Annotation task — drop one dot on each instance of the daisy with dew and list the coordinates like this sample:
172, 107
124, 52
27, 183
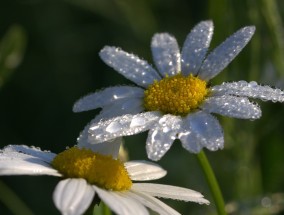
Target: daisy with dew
87, 174
174, 101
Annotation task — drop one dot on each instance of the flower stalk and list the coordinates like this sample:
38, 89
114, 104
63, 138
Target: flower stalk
212, 183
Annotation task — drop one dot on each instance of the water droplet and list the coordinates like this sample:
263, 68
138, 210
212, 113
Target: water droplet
137, 121
252, 84
113, 127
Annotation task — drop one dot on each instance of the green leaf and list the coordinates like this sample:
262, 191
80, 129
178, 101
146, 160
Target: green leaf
12, 47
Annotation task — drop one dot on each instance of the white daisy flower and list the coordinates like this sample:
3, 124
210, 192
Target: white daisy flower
88, 174
174, 101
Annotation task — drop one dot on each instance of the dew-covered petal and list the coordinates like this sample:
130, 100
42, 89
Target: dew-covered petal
33, 151
120, 202
190, 141
152, 203
232, 106
195, 47
144, 170
129, 65
122, 126
170, 192
221, 56
25, 160
110, 147
162, 135
107, 96
201, 130
166, 54
249, 89
121, 107
73, 196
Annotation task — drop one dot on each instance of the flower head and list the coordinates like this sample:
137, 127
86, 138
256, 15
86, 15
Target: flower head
88, 174
174, 101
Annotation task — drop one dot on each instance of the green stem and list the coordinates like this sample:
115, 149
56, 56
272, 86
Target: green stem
101, 209
106, 210
212, 182
270, 11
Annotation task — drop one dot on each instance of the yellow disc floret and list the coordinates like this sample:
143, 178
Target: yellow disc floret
176, 95
101, 170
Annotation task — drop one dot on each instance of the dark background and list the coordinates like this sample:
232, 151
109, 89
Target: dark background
49, 59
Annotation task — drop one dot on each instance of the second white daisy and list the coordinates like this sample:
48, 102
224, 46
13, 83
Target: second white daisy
88, 174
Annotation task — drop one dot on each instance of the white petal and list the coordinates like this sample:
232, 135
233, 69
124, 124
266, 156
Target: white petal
166, 54
195, 47
106, 97
36, 152
162, 135
24, 160
122, 126
120, 202
129, 65
251, 89
190, 141
144, 170
221, 56
201, 130
121, 107
153, 203
170, 192
232, 106
73, 196
110, 147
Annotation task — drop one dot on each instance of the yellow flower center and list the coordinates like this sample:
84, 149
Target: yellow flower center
177, 95
101, 170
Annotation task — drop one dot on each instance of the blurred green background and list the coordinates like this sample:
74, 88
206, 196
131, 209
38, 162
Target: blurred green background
49, 59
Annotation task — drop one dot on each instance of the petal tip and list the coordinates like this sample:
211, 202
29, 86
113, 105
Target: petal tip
107, 50
208, 22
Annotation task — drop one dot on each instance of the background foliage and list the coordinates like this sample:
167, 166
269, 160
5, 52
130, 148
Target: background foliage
49, 59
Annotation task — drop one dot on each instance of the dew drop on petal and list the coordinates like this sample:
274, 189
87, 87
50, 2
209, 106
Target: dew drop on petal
113, 127
137, 121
